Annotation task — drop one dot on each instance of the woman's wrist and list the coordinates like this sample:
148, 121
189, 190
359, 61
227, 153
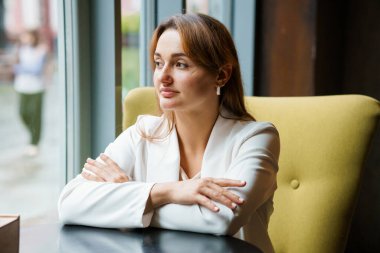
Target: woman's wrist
161, 194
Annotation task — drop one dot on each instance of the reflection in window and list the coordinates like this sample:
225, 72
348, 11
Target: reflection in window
31, 123
219, 9
130, 27
197, 6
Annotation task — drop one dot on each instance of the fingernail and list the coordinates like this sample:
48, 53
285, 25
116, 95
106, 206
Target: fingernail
233, 205
243, 182
216, 209
241, 200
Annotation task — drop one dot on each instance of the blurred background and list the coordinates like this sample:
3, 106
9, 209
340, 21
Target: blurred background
29, 180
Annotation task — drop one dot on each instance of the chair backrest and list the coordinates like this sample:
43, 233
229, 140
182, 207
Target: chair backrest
324, 141
139, 101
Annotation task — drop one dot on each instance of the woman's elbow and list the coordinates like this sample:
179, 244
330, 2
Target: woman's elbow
219, 224
64, 214
225, 228
230, 225
220, 228
67, 212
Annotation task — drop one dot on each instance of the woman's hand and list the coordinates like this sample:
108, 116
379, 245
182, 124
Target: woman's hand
108, 171
198, 191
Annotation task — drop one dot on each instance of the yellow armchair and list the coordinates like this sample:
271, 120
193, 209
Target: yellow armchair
324, 141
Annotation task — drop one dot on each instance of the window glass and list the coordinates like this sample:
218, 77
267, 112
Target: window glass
130, 31
197, 6
31, 120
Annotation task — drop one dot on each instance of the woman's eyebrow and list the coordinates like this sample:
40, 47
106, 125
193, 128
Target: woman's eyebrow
179, 55
172, 55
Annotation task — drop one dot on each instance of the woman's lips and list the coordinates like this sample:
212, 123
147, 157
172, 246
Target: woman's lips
167, 92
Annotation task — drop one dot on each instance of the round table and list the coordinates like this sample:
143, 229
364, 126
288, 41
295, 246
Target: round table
54, 238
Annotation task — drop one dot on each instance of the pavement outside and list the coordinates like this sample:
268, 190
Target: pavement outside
30, 186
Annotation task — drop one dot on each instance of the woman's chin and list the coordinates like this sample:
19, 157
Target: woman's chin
168, 105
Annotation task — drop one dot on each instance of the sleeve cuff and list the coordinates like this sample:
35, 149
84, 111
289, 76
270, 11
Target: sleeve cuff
147, 217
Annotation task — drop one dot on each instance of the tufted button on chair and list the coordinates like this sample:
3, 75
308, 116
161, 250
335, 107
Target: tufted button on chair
324, 141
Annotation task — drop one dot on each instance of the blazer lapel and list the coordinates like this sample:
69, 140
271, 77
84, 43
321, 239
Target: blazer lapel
215, 158
164, 156
163, 159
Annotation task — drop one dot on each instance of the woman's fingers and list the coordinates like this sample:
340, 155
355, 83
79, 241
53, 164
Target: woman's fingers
218, 196
109, 162
96, 169
224, 182
206, 202
224, 196
233, 197
91, 177
109, 170
206, 192
229, 194
118, 175
214, 191
99, 165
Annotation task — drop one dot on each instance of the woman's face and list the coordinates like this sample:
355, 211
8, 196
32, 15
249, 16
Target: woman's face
181, 84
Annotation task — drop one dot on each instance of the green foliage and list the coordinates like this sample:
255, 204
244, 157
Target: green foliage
130, 23
130, 68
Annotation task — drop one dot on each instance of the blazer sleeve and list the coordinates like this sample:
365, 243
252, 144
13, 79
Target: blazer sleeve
105, 204
256, 162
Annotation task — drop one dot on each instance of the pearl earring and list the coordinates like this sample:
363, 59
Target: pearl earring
218, 90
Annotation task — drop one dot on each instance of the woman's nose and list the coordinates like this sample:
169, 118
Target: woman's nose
165, 75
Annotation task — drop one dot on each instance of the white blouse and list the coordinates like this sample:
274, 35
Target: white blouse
183, 175
239, 150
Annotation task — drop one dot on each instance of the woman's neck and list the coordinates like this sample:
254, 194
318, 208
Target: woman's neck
194, 129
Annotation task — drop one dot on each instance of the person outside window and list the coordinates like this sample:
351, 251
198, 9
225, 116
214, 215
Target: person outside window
29, 83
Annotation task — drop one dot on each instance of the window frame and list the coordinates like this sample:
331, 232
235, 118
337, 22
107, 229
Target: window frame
92, 89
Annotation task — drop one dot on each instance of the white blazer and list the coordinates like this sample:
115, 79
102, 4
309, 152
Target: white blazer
236, 149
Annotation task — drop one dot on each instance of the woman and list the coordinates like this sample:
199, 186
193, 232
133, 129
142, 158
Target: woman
30, 85
205, 165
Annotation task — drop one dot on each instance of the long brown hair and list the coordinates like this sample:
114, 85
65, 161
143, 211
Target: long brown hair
208, 43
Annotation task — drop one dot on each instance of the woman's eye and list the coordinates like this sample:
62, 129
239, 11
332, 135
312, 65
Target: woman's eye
158, 64
181, 65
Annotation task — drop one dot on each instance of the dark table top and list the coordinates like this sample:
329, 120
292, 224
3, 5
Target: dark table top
55, 238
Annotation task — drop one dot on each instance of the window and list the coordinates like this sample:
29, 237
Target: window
130, 34
31, 122
197, 6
